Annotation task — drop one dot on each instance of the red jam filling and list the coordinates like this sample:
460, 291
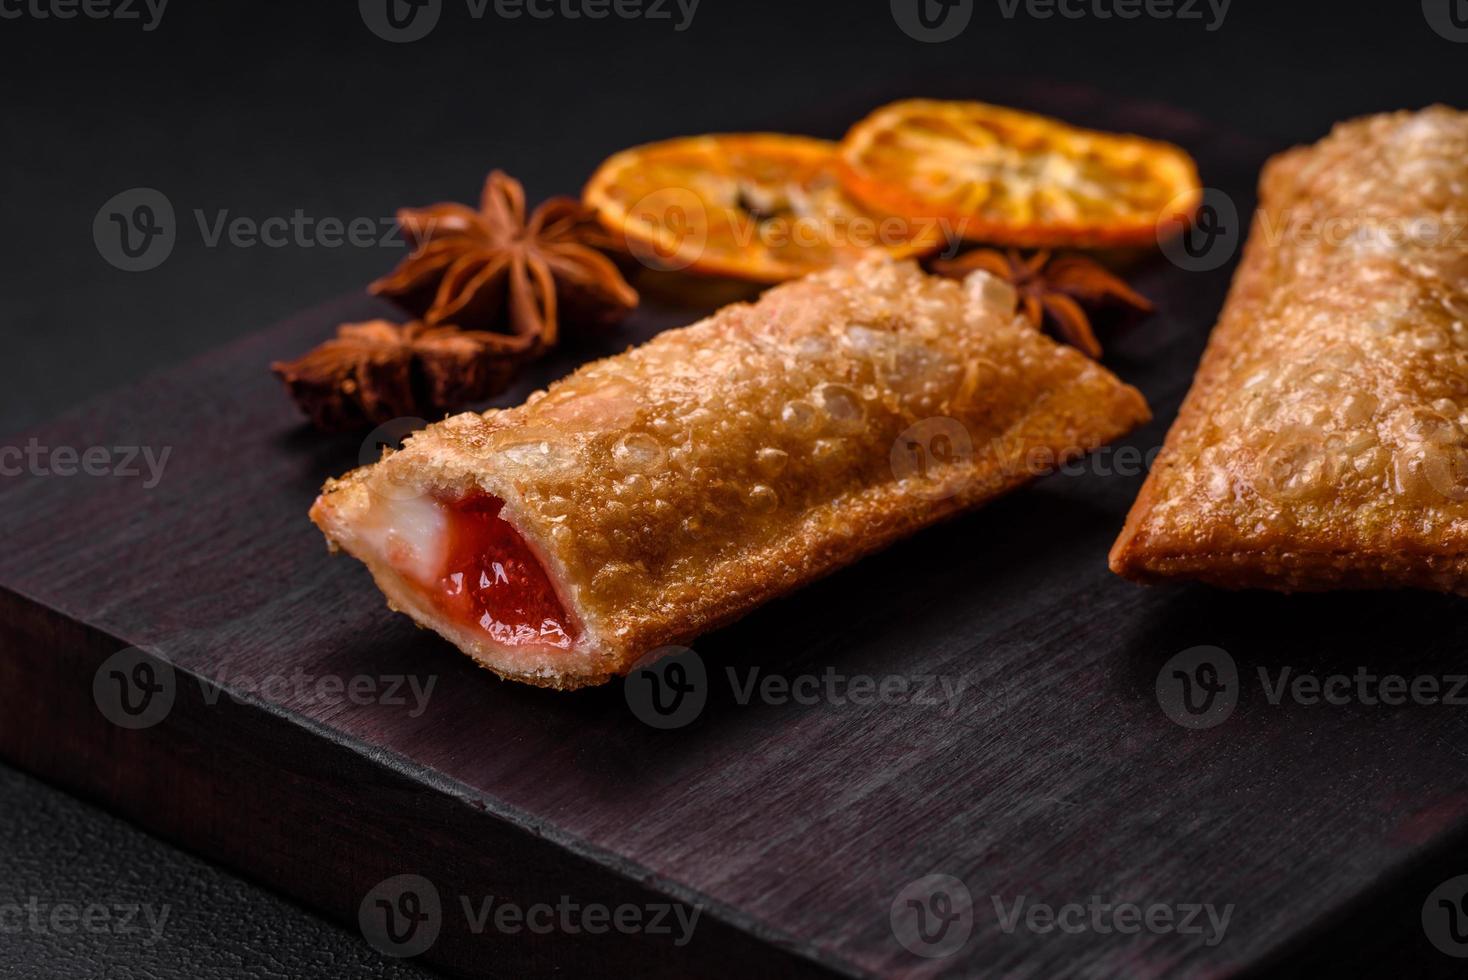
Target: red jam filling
492, 579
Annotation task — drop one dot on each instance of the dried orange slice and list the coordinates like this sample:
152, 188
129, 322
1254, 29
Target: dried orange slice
758, 206
1016, 178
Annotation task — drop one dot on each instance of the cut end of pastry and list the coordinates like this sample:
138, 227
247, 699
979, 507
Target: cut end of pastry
456, 565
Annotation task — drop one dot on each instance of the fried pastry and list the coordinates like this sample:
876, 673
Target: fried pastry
1323, 442
652, 496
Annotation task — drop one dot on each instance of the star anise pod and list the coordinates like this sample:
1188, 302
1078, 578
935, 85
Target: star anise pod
376, 371
495, 269
1055, 288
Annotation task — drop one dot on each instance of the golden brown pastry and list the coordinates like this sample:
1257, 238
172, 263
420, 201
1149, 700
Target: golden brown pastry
655, 495
1323, 442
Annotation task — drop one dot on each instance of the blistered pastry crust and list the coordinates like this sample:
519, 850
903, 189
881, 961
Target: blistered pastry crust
1323, 442
677, 486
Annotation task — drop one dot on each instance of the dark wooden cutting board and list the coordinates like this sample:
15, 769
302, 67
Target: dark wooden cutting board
1054, 776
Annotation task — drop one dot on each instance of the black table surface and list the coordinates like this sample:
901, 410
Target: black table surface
259, 110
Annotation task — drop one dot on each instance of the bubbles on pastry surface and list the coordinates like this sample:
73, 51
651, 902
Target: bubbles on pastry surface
762, 497
771, 462
633, 486
800, 417
638, 452
991, 292
1359, 408
760, 427
931, 458
828, 452
813, 347
1296, 466
538, 458
841, 405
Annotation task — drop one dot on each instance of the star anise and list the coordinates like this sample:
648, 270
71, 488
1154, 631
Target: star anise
376, 371
494, 269
1054, 288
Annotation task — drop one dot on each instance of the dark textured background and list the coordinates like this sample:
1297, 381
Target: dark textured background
260, 109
